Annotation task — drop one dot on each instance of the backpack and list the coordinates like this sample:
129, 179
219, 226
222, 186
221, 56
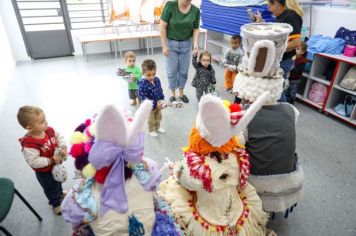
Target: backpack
348, 35
346, 108
317, 93
349, 81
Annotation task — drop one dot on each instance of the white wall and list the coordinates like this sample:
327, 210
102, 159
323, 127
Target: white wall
7, 63
13, 30
327, 20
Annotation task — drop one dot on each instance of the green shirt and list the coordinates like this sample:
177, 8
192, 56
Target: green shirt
180, 26
136, 71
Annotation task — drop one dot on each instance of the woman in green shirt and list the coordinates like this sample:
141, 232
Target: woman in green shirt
179, 30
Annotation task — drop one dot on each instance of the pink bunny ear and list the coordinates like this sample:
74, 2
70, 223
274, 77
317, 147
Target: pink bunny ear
213, 121
111, 126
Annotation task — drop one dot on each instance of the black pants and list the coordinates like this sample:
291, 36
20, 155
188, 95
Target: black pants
52, 189
199, 93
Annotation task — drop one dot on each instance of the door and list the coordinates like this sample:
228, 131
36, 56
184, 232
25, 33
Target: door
45, 27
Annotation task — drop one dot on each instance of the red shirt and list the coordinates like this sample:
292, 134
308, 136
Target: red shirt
46, 146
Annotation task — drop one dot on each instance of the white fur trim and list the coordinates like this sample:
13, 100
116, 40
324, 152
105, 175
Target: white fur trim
281, 203
278, 183
249, 87
279, 192
271, 53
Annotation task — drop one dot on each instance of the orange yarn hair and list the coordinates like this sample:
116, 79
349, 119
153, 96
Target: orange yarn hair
200, 146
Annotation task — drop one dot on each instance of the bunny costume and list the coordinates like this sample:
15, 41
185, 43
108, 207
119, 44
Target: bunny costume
208, 191
121, 201
270, 138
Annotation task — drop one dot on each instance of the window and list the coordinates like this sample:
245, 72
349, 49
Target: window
86, 14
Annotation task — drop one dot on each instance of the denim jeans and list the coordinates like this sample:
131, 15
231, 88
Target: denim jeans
286, 65
292, 91
52, 189
177, 62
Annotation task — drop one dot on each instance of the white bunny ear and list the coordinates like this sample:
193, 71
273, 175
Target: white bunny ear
110, 126
139, 120
261, 58
213, 121
250, 113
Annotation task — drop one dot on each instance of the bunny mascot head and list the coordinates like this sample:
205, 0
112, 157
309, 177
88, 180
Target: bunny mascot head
119, 201
275, 171
208, 191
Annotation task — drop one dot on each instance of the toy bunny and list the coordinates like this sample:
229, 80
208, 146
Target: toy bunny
118, 198
276, 172
208, 191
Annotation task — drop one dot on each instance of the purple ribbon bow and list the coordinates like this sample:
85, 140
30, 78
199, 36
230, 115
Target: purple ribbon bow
104, 153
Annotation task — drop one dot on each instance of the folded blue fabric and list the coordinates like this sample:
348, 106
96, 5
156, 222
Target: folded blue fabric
324, 44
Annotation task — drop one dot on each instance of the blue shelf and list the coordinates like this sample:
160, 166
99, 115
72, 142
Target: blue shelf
228, 20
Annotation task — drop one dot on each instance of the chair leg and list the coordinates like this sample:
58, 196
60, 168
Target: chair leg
7, 233
28, 205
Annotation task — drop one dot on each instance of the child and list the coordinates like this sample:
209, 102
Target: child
232, 59
296, 73
149, 87
204, 74
136, 74
38, 148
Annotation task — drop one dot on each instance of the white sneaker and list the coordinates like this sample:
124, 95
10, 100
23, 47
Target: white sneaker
160, 130
153, 134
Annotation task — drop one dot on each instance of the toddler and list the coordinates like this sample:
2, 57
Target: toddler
232, 59
149, 87
38, 147
130, 59
296, 73
204, 74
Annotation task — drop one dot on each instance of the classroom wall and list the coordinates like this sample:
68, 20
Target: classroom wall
8, 62
12, 28
325, 20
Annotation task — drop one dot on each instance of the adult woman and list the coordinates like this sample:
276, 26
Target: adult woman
287, 11
179, 24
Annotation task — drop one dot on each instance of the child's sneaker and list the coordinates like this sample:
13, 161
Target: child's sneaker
57, 210
153, 134
160, 130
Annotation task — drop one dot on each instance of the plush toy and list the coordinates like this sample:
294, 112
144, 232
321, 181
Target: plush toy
121, 200
276, 172
59, 172
208, 190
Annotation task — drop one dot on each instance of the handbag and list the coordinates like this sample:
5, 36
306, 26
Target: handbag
346, 108
349, 81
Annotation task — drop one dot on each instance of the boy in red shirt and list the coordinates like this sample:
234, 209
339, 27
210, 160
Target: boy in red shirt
38, 148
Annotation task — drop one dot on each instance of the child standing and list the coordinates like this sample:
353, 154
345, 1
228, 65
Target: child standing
232, 59
296, 73
204, 73
38, 147
130, 59
149, 87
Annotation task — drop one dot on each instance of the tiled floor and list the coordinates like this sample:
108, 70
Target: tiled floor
71, 90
